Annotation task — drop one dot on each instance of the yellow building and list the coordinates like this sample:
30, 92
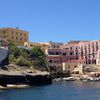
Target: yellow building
14, 35
33, 44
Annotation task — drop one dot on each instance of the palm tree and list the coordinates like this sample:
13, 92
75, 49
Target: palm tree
39, 58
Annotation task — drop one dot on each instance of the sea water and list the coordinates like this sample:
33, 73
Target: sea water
56, 91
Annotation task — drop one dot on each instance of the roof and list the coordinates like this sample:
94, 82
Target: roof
4, 28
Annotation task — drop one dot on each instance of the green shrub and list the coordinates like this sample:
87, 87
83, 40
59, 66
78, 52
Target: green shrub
21, 61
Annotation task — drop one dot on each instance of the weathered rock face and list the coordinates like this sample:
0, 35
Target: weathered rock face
42, 78
38, 79
11, 79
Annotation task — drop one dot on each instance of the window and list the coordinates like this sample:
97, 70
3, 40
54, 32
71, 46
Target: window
96, 45
71, 53
21, 38
4, 32
12, 32
67, 48
54, 46
57, 53
16, 38
75, 66
49, 53
82, 53
57, 61
76, 48
57, 46
93, 47
64, 53
71, 48
1, 41
76, 53
82, 50
21, 34
31, 45
16, 33
12, 37
50, 61
52, 53
68, 67
89, 46
93, 55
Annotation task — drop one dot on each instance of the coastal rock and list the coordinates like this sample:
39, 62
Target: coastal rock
24, 77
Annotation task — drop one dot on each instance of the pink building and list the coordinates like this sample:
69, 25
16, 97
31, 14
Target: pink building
57, 56
80, 52
85, 51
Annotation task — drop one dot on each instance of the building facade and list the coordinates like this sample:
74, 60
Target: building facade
86, 52
54, 45
30, 45
74, 53
14, 35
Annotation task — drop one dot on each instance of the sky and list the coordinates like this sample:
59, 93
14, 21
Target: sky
53, 20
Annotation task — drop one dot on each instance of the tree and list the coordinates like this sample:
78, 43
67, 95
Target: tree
19, 56
39, 58
32, 58
12, 50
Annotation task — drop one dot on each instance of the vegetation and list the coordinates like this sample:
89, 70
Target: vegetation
32, 58
39, 58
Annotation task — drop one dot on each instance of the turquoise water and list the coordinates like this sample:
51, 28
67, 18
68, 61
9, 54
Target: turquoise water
56, 91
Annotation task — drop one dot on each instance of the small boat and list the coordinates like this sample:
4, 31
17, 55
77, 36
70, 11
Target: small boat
17, 86
13, 86
94, 79
90, 79
69, 79
57, 79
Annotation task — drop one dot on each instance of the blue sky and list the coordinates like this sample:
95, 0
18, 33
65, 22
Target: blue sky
53, 20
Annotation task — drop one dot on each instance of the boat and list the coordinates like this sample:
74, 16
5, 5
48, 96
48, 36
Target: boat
57, 79
69, 79
94, 79
14, 86
90, 79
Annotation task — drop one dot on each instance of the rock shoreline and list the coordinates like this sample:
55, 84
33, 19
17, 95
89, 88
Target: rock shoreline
24, 77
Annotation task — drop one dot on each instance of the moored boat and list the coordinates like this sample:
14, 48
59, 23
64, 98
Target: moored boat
57, 79
69, 79
12, 86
